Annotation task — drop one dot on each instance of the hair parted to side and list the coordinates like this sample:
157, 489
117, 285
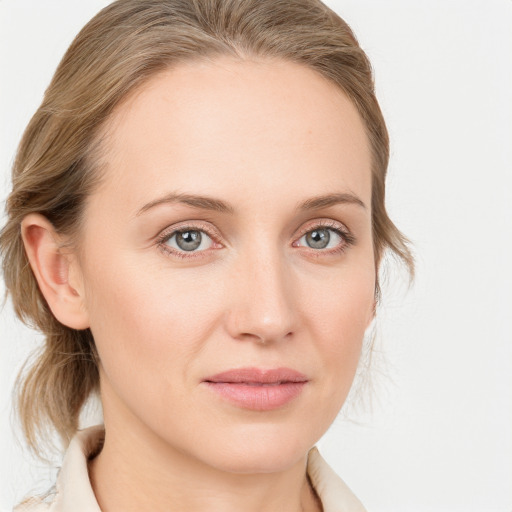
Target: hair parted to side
58, 161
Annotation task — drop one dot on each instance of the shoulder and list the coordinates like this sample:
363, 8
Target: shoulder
73, 491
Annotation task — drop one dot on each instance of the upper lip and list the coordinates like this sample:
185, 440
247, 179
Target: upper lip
258, 376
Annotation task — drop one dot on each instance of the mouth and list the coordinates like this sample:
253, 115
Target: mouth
258, 389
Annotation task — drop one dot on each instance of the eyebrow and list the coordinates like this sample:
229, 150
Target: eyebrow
200, 202
315, 203
217, 205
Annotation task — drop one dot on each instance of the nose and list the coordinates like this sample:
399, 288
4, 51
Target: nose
262, 299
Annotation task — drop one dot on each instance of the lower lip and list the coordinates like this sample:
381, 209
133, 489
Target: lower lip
258, 397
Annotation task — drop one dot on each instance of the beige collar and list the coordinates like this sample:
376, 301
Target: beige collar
74, 492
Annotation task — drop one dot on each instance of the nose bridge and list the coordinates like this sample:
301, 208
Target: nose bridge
262, 302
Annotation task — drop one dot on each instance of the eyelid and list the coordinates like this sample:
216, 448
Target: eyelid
210, 231
327, 223
196, 225
191, 225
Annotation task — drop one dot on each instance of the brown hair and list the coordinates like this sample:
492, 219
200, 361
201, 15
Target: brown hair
57, 163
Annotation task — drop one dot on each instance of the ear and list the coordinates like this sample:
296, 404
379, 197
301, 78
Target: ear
56, 271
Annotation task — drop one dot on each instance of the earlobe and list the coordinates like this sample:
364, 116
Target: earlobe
52, 268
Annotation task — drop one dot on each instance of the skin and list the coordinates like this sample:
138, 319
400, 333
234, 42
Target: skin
262, 136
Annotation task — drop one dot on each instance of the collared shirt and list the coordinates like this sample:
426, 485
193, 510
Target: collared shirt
74, 492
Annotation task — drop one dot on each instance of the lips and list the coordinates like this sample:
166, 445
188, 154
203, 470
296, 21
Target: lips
258, 389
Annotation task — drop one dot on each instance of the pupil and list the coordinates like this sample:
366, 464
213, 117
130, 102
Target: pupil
188, 240
318, 239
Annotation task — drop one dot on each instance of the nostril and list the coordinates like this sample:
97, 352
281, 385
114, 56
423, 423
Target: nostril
264, 339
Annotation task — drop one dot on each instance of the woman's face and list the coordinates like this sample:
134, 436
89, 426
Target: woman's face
232, 233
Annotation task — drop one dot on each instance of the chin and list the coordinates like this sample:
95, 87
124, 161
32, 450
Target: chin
257, 448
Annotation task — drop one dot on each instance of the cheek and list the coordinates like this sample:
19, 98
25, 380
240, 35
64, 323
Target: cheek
155, 325
339, 317
148, 321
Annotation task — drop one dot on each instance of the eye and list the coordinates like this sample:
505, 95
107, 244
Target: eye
321, 238
326, 238
188, 240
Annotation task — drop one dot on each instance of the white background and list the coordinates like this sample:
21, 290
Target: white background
440, 436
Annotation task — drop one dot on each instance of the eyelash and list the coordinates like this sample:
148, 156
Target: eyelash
347, 238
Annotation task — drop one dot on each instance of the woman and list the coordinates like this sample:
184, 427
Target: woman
196, 226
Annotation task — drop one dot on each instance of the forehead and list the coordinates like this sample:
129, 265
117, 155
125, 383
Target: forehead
259, 123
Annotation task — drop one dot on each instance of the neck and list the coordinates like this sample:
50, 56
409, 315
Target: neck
138, 471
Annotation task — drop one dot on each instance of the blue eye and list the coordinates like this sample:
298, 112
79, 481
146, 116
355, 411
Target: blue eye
322, 238
189, 240
193, 241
